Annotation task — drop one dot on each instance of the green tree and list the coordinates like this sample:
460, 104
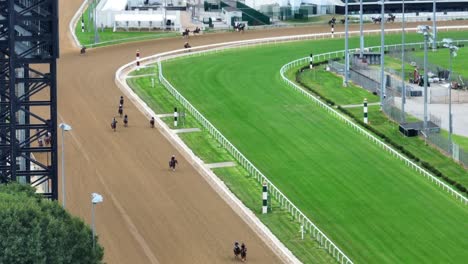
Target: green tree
36, 230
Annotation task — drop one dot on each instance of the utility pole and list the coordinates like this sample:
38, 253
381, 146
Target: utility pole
382, 55
346, 80
403, 75
361, 31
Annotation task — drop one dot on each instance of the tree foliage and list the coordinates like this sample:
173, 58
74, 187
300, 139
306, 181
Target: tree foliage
36, 230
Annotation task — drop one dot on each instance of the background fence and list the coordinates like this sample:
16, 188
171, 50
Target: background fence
369, 79
284, 202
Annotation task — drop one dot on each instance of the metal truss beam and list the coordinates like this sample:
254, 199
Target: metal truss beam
28, 93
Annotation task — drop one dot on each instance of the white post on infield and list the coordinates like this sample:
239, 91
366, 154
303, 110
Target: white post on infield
176, 114
82, 24
365, 111
311, 61
138, 59
333, 30
265, 198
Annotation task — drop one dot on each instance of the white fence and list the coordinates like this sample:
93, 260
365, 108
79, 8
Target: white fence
309, 226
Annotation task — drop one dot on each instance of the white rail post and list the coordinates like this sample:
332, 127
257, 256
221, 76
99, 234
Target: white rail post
176, 114
311, 61
365, 111
265, 198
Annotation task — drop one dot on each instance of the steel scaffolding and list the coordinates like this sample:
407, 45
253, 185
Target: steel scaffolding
28, 93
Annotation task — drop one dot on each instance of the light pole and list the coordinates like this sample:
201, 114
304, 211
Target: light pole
64, 127
95, 199
403, 76
382, 55
346, 47
434, 26
425, 31
448, 43
96, 37
361, 31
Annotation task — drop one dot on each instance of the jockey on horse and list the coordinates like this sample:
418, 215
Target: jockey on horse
126, 121
114, 124
120, 110
243, 252
83, 50
236, 250
152, 122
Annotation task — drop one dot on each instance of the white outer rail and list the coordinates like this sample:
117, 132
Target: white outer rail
297, 214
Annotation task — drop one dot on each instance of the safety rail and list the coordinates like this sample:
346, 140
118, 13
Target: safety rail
244, 162
336, 54
284, 202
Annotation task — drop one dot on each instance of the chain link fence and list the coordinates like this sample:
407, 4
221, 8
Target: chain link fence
370, 79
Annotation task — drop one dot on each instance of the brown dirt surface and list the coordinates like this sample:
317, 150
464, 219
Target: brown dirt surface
149, 214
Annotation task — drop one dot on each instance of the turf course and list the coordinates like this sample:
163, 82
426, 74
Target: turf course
374, 207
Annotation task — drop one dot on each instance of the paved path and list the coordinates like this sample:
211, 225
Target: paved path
221, 164
359, 105
186, 130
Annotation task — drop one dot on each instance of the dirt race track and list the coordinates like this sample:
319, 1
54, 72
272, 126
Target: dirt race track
149, 214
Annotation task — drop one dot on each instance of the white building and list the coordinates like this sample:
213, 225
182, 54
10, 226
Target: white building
113, 13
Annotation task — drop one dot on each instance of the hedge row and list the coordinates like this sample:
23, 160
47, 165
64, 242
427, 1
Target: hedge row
386, 139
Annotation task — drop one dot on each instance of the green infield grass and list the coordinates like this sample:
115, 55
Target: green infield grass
330, 86
371, 204
236, 178
441, 57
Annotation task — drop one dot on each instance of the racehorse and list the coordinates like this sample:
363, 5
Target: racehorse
196, 31
172, 163
83, 50
391, 18
114, 124
243, 252
236, 250
121, 100
152, 122
120, 110
239, 27
186, 33
343, 20
376, 20
332, 21
125, 121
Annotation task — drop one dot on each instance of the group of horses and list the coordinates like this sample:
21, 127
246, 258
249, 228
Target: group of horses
240, 251
333, 21
186, 32
390, 18
125, 117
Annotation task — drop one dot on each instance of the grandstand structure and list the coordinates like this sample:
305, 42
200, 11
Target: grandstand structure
28, 93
